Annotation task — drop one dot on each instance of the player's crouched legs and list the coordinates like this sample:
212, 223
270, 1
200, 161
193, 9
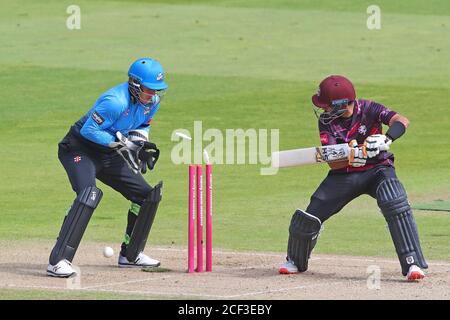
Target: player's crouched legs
140, 221
393, 202
303, 233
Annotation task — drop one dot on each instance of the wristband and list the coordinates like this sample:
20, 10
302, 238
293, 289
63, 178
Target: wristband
396, 130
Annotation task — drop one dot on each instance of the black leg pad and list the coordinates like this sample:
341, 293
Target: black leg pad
303, 232
75, 224
144, 223
394, 205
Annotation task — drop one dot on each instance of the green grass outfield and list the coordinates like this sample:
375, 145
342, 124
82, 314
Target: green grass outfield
231, 64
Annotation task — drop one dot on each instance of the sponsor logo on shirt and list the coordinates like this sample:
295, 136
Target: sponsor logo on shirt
98, 118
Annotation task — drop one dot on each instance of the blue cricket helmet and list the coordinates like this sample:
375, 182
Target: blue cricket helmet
149, 73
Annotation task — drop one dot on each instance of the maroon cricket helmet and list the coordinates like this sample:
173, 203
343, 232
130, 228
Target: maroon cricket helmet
333, 89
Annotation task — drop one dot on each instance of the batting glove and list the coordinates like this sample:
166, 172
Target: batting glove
376, 143
358, 155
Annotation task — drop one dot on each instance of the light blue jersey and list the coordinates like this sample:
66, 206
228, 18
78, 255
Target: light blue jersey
114, 111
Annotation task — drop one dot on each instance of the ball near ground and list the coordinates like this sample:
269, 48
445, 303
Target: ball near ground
108, 252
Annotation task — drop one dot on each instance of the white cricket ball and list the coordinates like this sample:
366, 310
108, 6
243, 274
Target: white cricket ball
108, 252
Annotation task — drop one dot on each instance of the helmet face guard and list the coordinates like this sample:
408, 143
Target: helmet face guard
137, 93
338, 108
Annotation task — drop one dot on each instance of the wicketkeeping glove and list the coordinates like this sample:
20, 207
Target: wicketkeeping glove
357, 156
129, 151
376, 143
138, 154
148, 155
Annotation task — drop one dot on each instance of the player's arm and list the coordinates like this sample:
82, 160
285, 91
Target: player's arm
397, 127
102, 117
380, 142
398, 117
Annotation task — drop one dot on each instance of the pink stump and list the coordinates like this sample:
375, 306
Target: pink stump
208, 217
191, 219
199, 219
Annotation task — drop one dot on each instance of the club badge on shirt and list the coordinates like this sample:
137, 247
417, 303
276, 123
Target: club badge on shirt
362, 129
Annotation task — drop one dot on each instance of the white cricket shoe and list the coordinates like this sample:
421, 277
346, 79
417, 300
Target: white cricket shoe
142, 260
415, 273
288, 268
62, 269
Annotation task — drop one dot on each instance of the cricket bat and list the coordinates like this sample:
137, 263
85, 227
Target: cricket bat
305, 156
